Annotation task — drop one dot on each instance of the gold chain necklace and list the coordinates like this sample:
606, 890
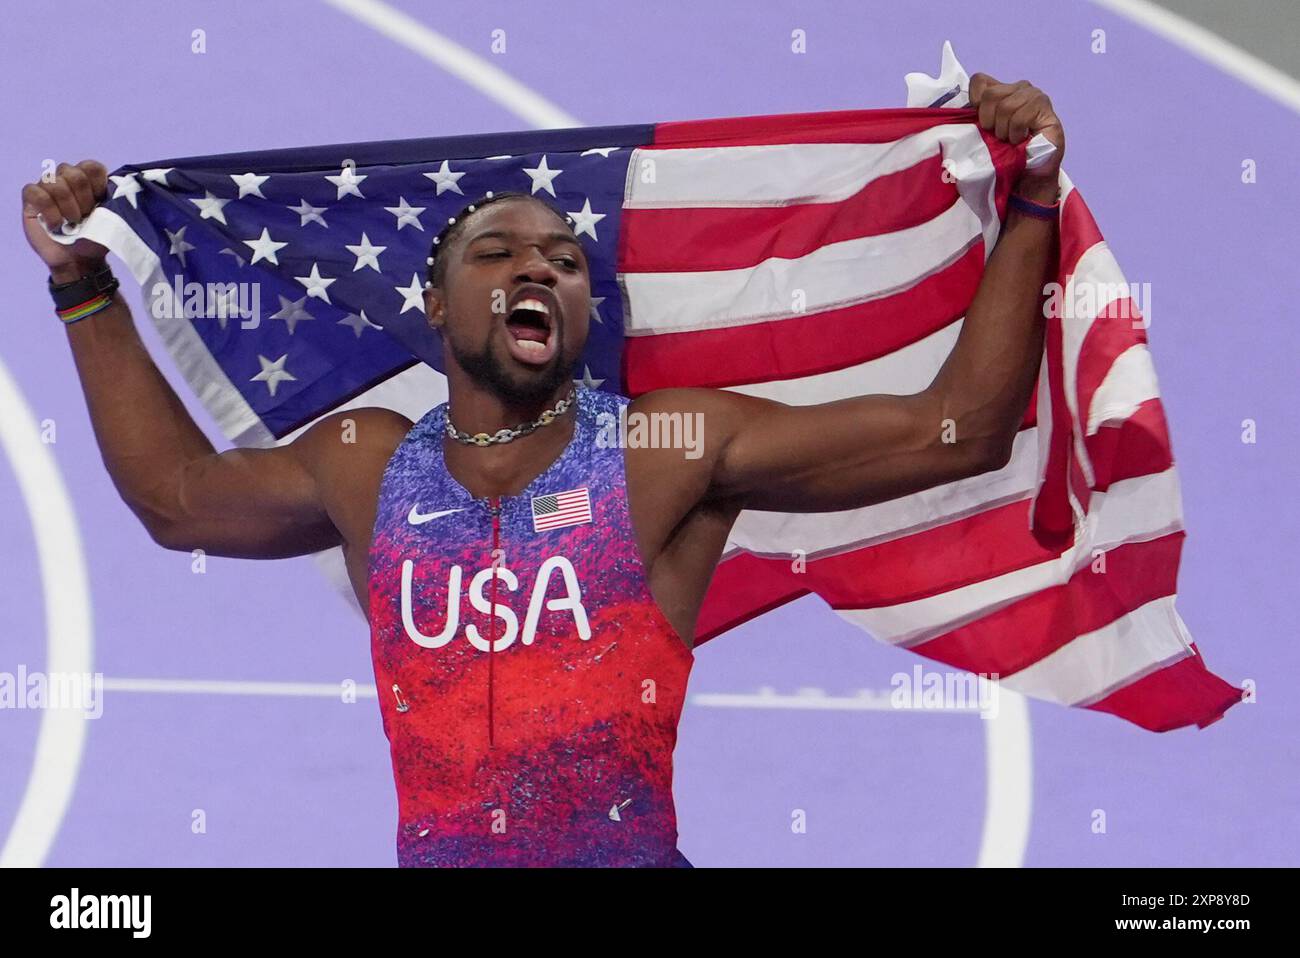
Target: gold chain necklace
508, 435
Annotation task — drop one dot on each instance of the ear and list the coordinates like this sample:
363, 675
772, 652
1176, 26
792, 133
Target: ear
435, 307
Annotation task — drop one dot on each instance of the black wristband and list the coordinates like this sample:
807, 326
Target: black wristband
100, 282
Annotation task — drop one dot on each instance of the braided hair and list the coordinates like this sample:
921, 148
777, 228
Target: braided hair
436, 273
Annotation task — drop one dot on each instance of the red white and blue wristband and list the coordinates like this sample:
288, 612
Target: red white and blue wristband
84, 296
1022, 204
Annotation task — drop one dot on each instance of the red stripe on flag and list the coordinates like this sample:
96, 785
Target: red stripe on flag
1137, 447
1078, 231
1112, 333
1053, 518
1184, 693
803, 345
928, 563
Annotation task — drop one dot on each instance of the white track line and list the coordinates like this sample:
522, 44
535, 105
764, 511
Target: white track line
1009, 783
474, 70
328, 690
866, 700
1231, 59
68, 633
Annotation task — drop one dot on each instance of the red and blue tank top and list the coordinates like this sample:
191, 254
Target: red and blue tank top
541, 733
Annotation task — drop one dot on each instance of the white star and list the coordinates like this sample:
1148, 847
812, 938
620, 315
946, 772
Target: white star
358, 323
227, 306
604, 151
407, 214
264, 248
595, 313
317, 285
179, 246
249, 184
127, 186
412, 296
347, 182
309, 213
584, 220
587, 379
158, 175
542, 175
210, 207
292, 311
446, 179
273, 372
238, 259
366, 254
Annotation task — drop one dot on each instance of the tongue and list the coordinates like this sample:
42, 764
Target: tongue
527, 331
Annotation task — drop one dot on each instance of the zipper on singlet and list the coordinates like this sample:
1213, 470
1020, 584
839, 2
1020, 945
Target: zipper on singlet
495, 509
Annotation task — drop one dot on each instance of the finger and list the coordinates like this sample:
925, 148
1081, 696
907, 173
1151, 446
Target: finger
61, 193
1007, 108
989, 103
98, 174
977, 86
41, 205
1022, 121
79, 183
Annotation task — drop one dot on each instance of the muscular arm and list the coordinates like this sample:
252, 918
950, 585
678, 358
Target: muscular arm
246, 503
868, 449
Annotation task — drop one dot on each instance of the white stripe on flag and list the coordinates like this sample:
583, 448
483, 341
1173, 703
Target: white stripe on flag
782, 174
831, 277
1097, 663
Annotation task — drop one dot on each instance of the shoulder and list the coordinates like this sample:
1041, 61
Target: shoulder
349, 438
715, 413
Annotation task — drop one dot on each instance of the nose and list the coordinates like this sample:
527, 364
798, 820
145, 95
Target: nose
536, 268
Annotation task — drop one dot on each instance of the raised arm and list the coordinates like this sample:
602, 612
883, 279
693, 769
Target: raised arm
247, 503
766, 455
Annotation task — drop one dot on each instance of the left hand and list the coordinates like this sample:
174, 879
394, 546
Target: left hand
1014, 112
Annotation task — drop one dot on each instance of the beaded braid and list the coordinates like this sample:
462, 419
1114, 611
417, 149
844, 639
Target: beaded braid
436, 271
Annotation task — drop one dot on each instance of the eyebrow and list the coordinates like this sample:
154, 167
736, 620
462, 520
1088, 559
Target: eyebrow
554, 237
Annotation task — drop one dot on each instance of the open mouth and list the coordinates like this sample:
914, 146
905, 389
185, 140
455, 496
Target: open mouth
530, 330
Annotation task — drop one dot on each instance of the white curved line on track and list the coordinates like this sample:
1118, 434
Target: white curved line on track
68, 634
1231, 59
472, 69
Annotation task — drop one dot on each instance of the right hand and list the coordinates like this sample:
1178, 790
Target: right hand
70, 197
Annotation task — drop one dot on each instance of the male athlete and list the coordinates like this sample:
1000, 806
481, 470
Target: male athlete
532, 591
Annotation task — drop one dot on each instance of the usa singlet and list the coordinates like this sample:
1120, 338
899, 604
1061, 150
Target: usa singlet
541, 733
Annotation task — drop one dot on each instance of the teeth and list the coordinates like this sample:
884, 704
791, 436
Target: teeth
534, 304
531, 345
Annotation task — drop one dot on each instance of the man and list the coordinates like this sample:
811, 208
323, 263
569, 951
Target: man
532, 587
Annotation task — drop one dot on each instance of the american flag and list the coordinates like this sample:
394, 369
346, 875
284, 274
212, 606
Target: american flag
563, 509
802, 257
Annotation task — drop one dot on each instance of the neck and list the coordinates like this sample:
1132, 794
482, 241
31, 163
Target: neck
502, 469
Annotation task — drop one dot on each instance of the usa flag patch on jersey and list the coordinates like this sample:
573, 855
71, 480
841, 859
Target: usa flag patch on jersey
561, 509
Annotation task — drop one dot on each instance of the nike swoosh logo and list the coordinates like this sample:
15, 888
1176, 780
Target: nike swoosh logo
415, 517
